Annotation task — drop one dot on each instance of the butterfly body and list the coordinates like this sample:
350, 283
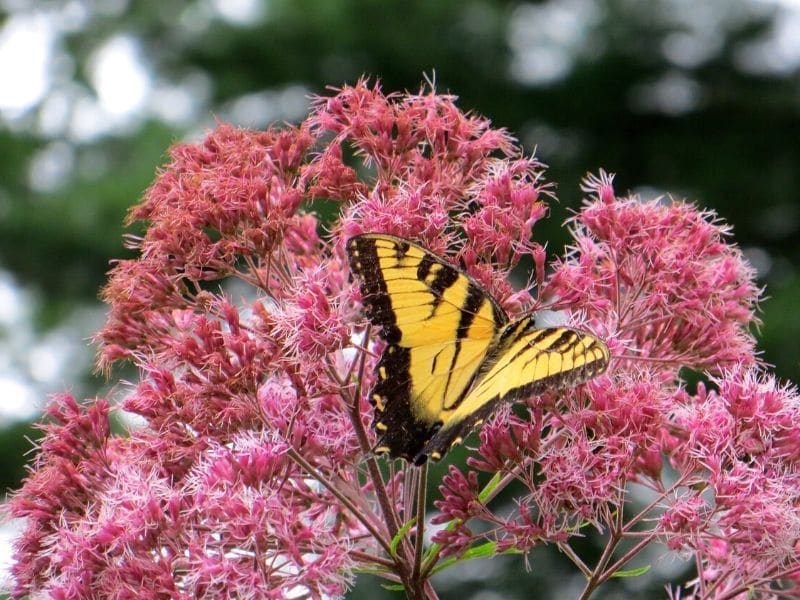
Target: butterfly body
452, 355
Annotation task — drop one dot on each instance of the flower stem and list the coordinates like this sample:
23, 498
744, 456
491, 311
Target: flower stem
422, 493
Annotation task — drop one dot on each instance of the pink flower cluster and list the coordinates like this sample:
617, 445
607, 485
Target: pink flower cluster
249, 471
661, 284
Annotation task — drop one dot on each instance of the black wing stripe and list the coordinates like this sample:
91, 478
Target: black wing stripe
472, 304
365, 262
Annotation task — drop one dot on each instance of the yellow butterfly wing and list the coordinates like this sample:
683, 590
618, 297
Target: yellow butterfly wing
438, 325
524, 362
451, 354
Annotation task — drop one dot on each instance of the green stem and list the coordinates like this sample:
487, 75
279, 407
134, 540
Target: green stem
422, 496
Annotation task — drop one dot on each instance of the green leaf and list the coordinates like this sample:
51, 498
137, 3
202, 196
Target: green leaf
400, 534
632, 572
484, 550
489, 488
394, 587
487, 550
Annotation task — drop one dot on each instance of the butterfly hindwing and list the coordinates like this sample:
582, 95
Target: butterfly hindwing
451, 355
438, 325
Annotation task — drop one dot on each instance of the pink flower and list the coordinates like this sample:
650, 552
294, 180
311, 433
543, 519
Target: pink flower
250, 471
661, 278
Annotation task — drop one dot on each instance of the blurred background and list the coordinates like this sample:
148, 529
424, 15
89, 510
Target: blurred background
699, 99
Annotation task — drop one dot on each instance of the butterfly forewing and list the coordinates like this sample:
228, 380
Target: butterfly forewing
439, 326
528, 360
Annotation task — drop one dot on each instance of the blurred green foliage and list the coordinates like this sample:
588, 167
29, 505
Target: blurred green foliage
705, 129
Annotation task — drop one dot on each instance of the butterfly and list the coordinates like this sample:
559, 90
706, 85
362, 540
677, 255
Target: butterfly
452, 354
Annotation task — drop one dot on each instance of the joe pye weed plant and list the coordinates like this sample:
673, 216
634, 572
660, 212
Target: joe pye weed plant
252, 473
